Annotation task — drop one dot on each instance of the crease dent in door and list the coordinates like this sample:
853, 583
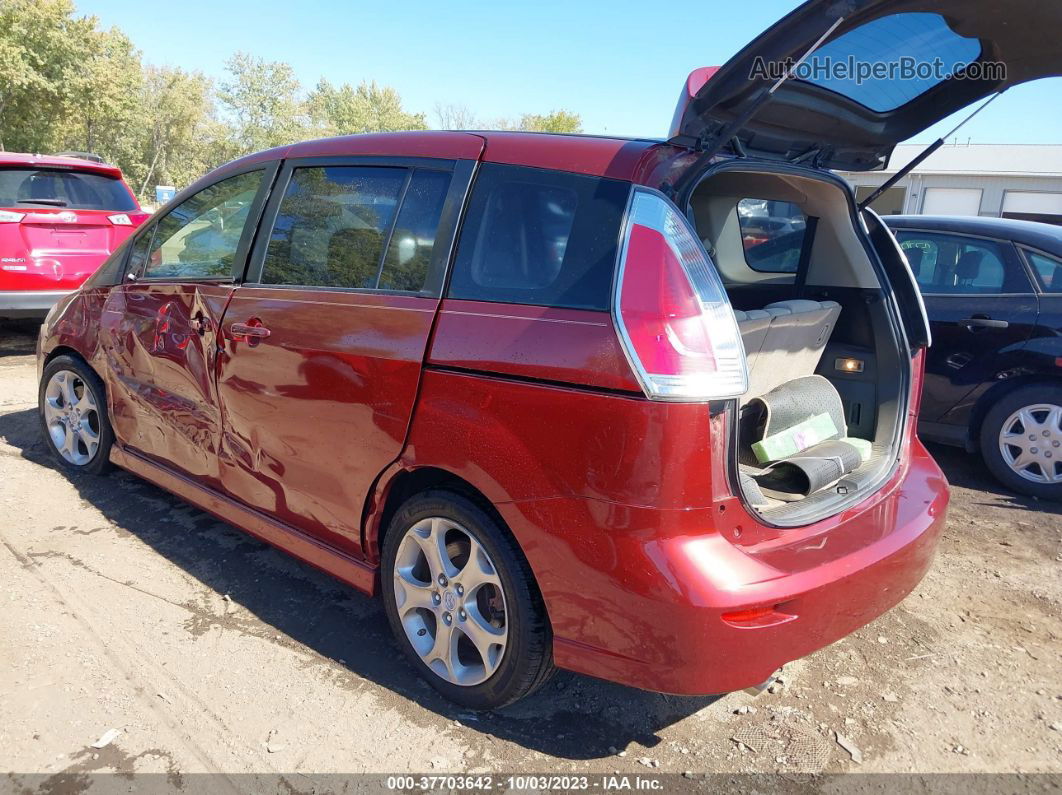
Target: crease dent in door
159, 340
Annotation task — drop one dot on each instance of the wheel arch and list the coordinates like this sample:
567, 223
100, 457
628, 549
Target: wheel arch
66, 350
398, 486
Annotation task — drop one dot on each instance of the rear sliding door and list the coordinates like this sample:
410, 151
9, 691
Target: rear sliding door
322, 346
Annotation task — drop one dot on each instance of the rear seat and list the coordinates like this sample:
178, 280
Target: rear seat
784, 340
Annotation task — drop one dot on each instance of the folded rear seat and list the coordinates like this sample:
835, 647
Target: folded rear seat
784, 341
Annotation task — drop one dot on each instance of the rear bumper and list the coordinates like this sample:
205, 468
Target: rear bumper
29, 303
655, 618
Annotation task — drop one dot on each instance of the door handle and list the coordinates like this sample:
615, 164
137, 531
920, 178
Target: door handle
253, 331
974, 323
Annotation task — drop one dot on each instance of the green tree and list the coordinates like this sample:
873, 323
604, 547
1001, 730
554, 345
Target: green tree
42, 50
101, 98
261, 102
344, 109
177, 137
557, 121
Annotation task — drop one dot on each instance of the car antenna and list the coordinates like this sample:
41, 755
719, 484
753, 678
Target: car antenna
730, 130
903, 172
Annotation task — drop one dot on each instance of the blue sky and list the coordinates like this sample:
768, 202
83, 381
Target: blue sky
619, 64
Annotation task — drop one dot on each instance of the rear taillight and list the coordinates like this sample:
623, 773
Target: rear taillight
671, 310
120, 220
8, 217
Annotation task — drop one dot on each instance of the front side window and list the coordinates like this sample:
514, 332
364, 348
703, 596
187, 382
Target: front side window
947, 264
332, 226
772, 233
199, 238
1048, 268
539, 237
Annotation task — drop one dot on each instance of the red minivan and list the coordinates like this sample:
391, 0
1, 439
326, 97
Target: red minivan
639, 409
61, 216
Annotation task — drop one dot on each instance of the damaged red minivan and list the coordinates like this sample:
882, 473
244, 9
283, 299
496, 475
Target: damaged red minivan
643, 410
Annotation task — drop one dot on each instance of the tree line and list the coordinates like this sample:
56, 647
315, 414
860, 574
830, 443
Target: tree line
68, 85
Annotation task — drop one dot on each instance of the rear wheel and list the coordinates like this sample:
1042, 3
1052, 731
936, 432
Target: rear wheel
73, 413
462, 603
1021, 441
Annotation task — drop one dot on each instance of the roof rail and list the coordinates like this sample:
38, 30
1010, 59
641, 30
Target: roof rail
81, 155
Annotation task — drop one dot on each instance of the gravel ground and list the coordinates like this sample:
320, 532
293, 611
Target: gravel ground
125, 609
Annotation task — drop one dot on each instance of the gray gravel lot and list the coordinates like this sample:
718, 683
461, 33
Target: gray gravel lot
123, 608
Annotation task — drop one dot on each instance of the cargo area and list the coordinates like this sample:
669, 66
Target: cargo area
819, 425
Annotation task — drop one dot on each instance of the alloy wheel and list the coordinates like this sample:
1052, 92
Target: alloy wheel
72, 417
450, 601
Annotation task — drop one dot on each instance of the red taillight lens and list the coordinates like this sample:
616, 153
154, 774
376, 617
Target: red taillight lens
672, 312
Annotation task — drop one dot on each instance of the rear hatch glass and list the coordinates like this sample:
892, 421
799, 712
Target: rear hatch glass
28, 188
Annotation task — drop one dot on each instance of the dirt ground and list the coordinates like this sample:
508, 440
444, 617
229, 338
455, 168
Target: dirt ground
123, 608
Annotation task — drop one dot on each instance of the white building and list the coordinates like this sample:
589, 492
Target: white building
999, 180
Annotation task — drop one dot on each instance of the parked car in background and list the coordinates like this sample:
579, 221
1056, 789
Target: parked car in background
993, 291
61, 216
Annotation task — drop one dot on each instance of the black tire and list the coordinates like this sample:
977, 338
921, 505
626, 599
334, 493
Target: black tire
527, 660
992, 426
99, 462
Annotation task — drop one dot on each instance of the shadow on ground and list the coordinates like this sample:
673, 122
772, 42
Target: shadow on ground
967, 470
573, 716
18, 337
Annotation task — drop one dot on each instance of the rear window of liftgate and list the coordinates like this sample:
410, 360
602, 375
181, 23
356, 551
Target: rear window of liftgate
74, 190
539, 237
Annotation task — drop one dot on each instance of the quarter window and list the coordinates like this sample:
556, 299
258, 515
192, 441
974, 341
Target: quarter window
1049, 269
199, 238
539, 237
332, 226
772, 233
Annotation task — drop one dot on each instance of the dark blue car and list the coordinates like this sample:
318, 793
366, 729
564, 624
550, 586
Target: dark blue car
993, 291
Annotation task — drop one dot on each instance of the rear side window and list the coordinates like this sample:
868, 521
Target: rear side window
331, 227
773, 234
409, 252
539, 237
74, 190
947, 264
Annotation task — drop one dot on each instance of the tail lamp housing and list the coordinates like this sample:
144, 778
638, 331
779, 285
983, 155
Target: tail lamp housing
670, 308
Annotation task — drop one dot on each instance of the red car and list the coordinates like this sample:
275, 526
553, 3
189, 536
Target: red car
60, 217
534, 391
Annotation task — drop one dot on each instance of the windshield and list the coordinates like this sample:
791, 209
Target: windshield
74, 190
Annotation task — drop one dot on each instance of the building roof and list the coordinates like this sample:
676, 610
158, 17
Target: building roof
1031, 160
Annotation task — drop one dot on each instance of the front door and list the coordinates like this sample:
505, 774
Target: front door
981, 308
322, 347
159, 329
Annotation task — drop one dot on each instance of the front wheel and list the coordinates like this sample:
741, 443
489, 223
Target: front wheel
73, 413
1021, 441
462, 602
